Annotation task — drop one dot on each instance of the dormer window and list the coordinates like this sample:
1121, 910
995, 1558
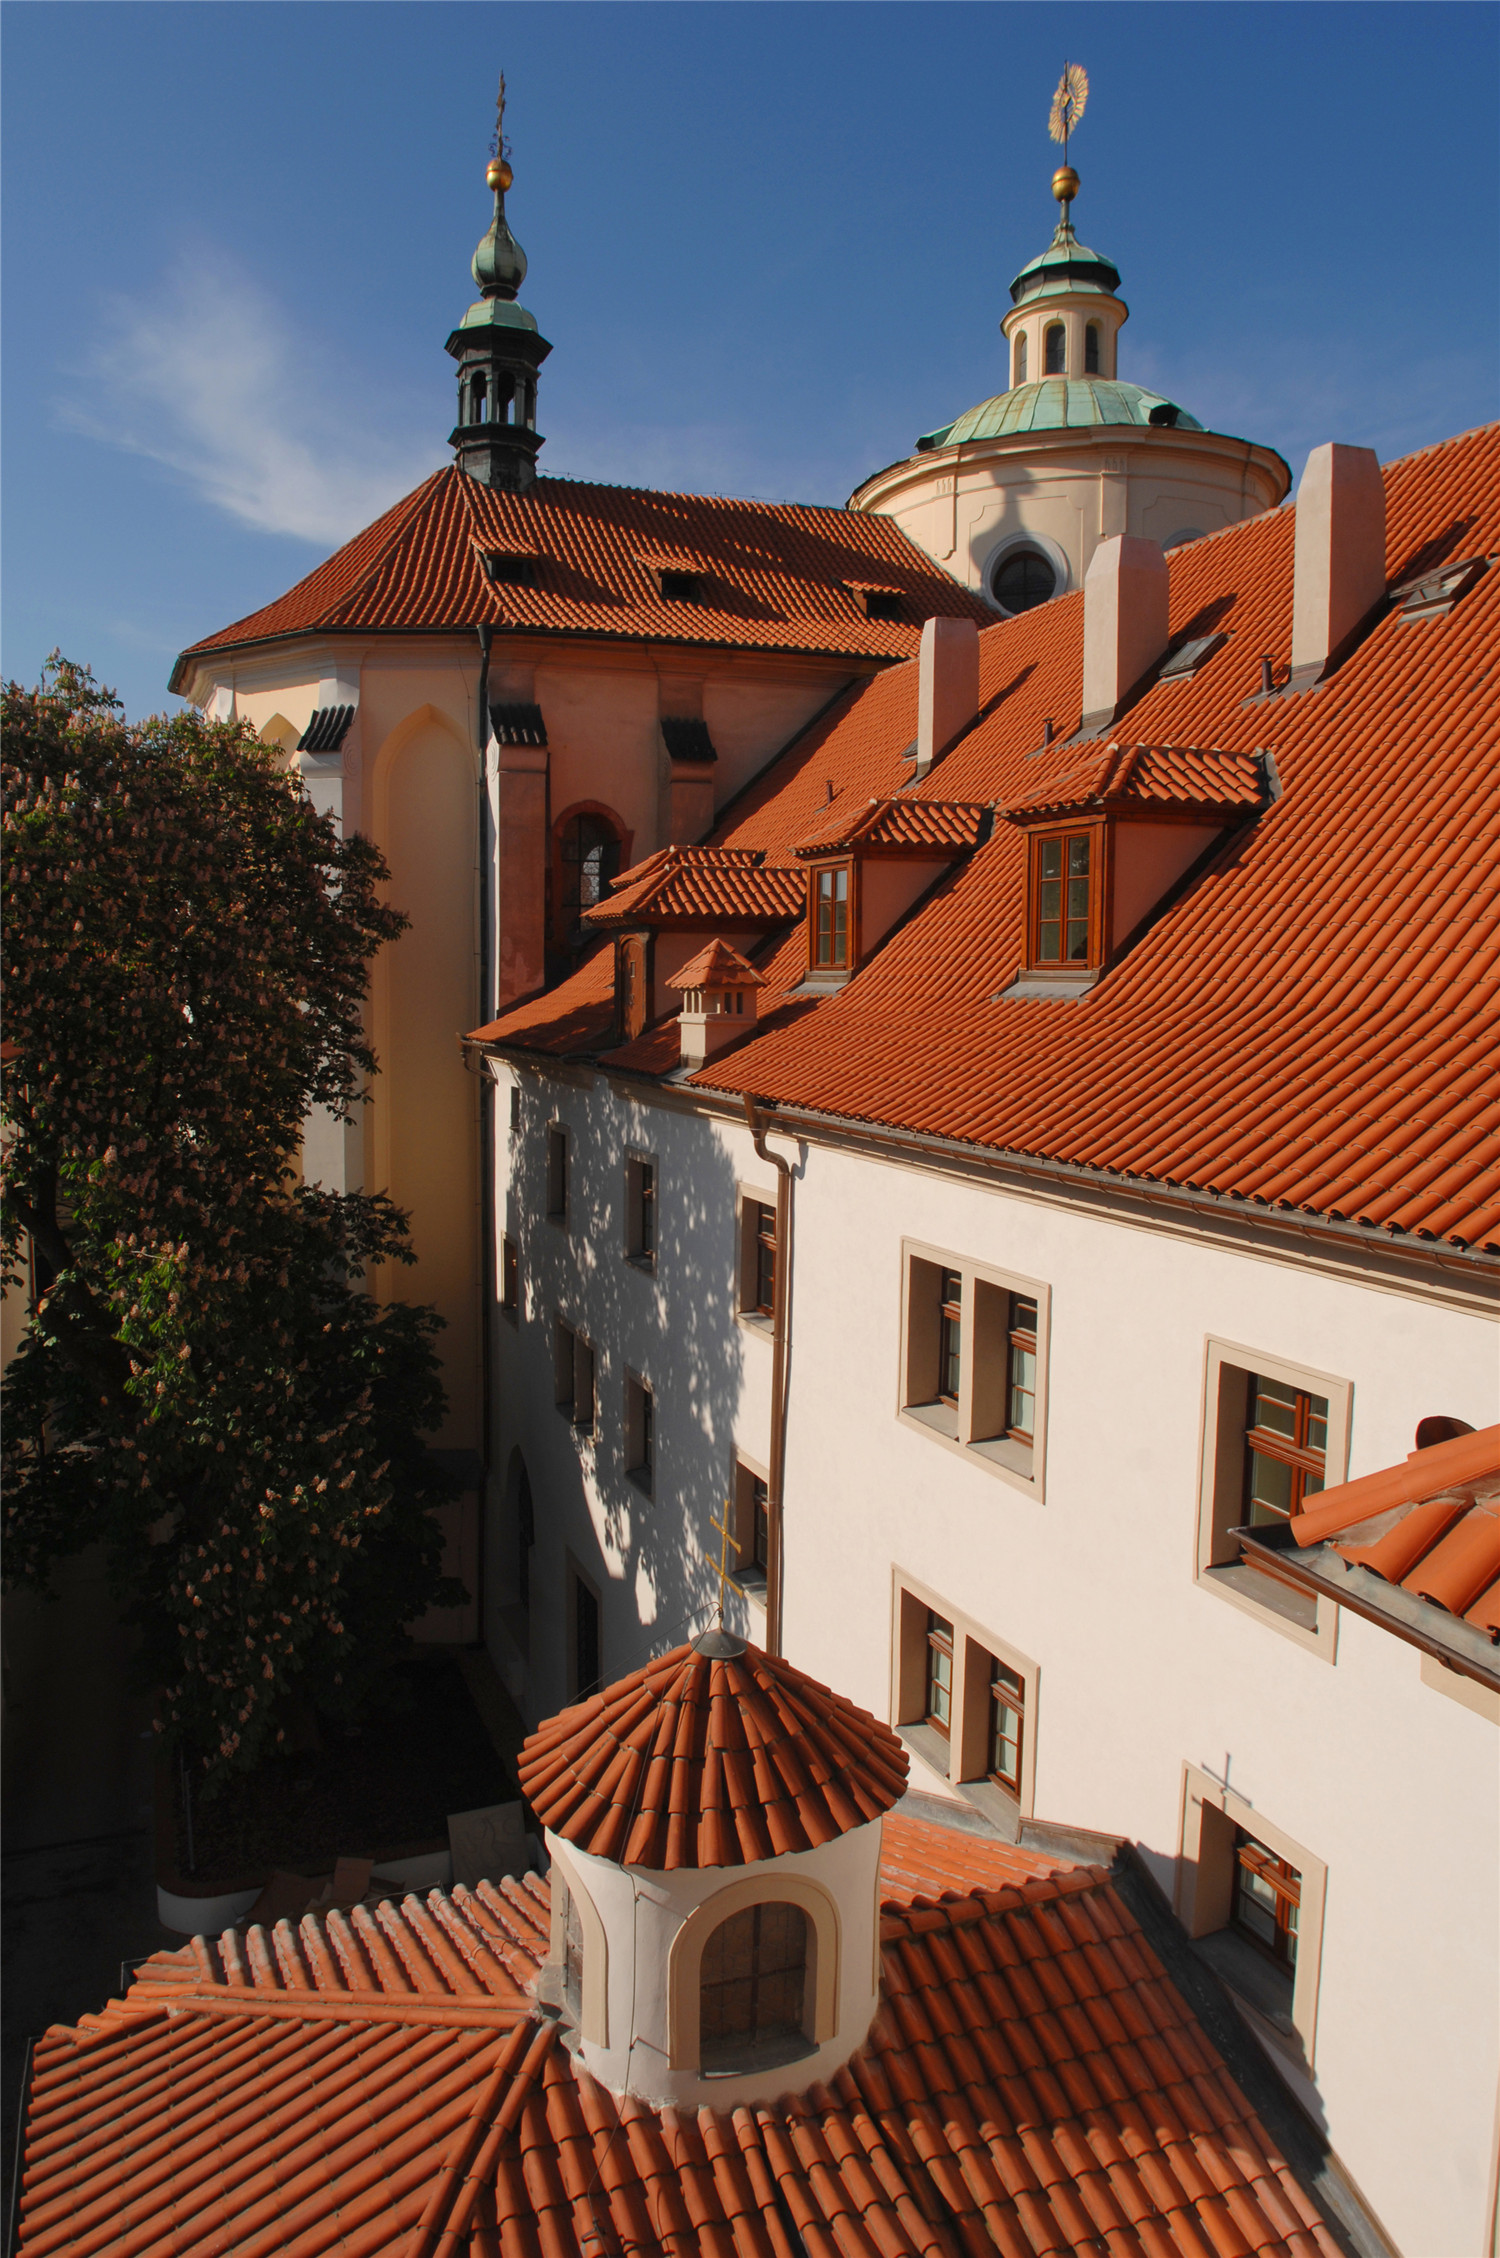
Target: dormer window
1056, 349
830, 918
678, 586
1064, 898
510, 568
1020, 375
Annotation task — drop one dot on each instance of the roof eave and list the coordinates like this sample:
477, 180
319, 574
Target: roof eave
1323, 1571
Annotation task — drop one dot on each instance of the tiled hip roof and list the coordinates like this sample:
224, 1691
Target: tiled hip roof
1183, 778
698, 1760
701, 885
1032, 2085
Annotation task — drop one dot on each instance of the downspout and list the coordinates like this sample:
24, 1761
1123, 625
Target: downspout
781, 1310
486, 1119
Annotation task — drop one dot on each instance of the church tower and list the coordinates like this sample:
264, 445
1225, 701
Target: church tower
498, 349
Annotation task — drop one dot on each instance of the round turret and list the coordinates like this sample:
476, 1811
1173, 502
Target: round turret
713, 1822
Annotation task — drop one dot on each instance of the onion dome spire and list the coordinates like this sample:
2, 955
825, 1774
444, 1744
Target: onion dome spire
498, 349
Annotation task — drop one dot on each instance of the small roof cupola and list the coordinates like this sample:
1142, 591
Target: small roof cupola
714, 1825
1065, 316
499, 350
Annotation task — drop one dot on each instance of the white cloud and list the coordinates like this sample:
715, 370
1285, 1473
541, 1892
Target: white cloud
208, 377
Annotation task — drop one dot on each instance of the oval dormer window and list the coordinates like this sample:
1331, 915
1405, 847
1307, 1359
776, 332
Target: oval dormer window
1091, 349
1023, 579
1056, 349
1020, 376
752, 1995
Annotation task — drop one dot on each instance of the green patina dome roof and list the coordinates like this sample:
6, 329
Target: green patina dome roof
1067, 264
1062, 403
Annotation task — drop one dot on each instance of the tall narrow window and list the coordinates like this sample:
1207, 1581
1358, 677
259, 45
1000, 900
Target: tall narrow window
1020, 376
939, 1711
557, 1174
765, 1259
515, 1108
831, 918
479, 401
640, 1432
1064, 899
1091, 349
1020, 1409
586, 1662
950, 1335
1286, 1447
1267, 1898
1007, 1726
1056, 347
563, 1345
585, 1408
525, 1537
590, 858
640, 1211
510, 1277
752, 1983
760, 1523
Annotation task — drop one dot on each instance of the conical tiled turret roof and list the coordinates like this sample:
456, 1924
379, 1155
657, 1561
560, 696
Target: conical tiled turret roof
715, 1755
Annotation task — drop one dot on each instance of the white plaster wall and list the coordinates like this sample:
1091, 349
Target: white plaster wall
677, 1329
1393, 1784
642, 1912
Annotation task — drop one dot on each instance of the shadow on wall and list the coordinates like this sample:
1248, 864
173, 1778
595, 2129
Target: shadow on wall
575, 1525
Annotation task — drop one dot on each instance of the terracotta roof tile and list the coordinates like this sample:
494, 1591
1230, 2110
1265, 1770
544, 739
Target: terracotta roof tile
694, 885
1310, 1026
646, 1772
897, 826
771, 576
1186, 778
1430, 1525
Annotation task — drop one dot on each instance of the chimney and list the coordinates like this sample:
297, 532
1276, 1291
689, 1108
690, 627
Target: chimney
947, 686
1339, 570
1124, 624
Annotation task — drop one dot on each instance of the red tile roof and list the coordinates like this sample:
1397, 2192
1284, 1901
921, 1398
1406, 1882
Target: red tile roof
705, 1760
1311, 1026
773, 576
717, 966
1189, 779
906, 826
1033, 2085
694, 885
1431, 1525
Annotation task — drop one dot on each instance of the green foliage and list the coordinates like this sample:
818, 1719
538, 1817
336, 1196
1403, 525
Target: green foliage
206, 1387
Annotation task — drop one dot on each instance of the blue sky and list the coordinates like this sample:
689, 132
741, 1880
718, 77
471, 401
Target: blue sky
770, 244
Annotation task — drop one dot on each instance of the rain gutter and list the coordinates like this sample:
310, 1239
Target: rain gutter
484, 832
781, 1307
1322, 1570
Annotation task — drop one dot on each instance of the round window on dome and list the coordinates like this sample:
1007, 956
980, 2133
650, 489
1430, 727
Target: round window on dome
1022, 579
1183, 535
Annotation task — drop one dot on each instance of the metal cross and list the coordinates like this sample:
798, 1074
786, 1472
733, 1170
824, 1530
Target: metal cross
721, 1565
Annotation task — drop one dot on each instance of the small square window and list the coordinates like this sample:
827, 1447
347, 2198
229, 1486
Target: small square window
680, 587
640, 1211
557, 1174
510, 1277
640, 1432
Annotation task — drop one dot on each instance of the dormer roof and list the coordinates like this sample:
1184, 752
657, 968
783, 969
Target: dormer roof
717, 966
715, 1755
897, 827
1145, 780
701, 885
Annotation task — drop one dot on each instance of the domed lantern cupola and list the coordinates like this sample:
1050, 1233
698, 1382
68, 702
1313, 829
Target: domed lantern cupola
499, 350
714, 1825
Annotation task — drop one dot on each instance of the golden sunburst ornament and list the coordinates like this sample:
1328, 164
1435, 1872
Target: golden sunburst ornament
1068, 103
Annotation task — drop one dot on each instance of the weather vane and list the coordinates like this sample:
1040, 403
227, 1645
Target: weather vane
498, 172
1068, 104
720, 1566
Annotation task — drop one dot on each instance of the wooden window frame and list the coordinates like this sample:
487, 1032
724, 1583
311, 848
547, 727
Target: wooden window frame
559, 1177
1301, 1458
979, 1422
1203, 1893
640, 1432
642, 1201
1097, 835
1012, 1695
562, 918
753, 1310
939, 1650
1229, 1367
950, 1337
1284, 1882
961, 1757
750, 1566
849, 866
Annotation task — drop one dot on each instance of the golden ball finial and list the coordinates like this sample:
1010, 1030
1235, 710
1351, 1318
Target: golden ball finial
1065, 184
498, 174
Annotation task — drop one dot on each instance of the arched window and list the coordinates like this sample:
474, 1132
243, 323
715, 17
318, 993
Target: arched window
1020, 377
589, 860
752, 1991
479, 401
1091, 349
1022, 579
1056, 349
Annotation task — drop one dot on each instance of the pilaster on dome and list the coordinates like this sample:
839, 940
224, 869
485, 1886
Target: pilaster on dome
706, 1758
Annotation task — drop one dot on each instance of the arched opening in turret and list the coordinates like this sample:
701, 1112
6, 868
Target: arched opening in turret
1020, 375
1091, 349
753, 1988
1056, 349
479, 400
